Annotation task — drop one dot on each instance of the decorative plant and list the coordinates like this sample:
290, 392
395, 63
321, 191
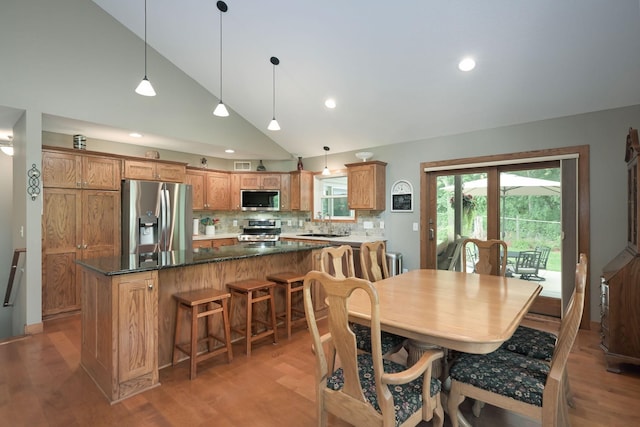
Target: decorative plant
468, 207
209, 221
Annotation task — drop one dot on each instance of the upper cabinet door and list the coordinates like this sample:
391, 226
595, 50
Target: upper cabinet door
100, 173
154, 171
61, 170
366, 185
197, 181
218, 191
260, 181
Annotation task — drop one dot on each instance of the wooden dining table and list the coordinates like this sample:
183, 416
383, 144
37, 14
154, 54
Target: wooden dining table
473, 313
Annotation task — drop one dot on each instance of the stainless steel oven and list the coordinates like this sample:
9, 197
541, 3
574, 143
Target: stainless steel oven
260, 230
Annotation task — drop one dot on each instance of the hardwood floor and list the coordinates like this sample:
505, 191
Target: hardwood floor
42, 384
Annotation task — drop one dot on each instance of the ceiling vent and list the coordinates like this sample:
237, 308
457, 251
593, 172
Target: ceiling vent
241, 166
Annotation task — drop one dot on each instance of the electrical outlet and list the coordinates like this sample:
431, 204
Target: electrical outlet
415, 226
235, 222
289, 223
368, 225
301, 223
381, 225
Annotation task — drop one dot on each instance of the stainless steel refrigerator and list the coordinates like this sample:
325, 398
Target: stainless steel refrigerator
156, 217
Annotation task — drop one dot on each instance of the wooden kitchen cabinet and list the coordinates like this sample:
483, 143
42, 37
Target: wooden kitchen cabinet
620, 280
285, 192
155, 170
214, 243
366, 185
76, 224
211, 190
234, 188
301, 191
66, 169
119, 344
260, 181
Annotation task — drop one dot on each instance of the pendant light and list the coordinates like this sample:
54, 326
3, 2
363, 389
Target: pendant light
145, 88
221, 110
273, 125
325, 171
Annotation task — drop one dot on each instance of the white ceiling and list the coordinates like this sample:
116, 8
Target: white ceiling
392, 66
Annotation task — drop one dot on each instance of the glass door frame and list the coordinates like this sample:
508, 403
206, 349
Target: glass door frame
493, 165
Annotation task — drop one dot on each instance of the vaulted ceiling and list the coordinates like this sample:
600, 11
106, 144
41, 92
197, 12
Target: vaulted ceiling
392, 66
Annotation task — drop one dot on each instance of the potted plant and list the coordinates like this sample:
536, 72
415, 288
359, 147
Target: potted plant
209, 225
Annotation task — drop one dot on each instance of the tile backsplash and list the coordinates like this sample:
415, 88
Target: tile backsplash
294, 222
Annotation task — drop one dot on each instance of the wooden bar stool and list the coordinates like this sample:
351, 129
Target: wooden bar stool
212, 301
255, 291
287, 280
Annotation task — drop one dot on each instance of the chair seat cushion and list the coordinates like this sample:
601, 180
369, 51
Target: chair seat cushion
407, 398
531, 342
389, 342
503, 372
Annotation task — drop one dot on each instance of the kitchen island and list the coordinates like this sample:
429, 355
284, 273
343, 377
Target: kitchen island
129, 314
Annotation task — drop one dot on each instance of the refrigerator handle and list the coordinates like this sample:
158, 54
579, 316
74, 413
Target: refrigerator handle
163, 219
168, 220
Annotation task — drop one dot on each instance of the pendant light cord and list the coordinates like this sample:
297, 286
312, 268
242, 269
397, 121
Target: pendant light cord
221, 56
274, 91
145, 39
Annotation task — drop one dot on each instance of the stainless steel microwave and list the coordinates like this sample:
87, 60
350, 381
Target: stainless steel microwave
260, 200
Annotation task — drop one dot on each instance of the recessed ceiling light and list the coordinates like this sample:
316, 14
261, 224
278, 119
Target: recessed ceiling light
135, 135
229, 151
467, 64
330, 103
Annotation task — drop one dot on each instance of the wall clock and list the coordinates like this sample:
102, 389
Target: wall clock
402, 196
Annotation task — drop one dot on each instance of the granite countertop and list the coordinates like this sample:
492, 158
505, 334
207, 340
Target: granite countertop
136, 263
350, 239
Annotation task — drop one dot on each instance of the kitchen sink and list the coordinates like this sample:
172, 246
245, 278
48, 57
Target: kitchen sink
320, 235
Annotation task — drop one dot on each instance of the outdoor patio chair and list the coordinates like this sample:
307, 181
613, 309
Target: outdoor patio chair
527, 265
544, 257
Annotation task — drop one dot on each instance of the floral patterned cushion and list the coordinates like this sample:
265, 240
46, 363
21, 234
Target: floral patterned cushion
531, 342
407, 398
363, 339
503, 372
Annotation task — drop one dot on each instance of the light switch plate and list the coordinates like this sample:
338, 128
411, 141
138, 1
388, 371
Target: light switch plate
235, 222
415, 226
381, 225
289, 223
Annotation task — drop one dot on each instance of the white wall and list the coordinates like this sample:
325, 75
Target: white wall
6, 244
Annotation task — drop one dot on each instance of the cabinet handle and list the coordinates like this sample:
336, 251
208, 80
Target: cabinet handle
150, 285
79, 246
84, 246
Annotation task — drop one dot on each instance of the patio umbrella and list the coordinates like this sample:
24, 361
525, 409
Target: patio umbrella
512, 185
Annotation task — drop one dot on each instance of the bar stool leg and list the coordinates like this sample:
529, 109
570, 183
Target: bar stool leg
176, 335
248, 320
288, 312
274, 325
194, 342
227, 330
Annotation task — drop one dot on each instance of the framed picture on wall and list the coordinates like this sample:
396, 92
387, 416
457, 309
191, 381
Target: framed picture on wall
402, 196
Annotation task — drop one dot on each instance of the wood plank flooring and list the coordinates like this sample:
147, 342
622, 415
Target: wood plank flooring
43, 384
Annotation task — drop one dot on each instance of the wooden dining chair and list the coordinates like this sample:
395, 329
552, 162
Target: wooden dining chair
491, 256
366, 389
373, 261
338, 262
519, 383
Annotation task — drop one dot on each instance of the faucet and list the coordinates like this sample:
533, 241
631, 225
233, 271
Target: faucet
324, 217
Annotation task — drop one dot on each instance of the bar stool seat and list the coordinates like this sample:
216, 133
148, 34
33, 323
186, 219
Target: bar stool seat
199, 304
255, 291
292, 284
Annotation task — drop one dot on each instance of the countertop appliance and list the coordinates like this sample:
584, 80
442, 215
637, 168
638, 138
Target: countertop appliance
156, 217
260, 230
260, 200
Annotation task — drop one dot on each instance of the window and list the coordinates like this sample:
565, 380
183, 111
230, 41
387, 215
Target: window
330, 198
